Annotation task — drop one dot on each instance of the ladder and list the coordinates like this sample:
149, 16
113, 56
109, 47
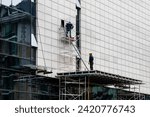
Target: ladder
79, 55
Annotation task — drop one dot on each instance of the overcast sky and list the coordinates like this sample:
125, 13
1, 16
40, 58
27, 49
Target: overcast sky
8, 2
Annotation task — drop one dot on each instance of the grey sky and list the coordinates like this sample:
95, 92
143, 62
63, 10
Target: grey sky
8, 2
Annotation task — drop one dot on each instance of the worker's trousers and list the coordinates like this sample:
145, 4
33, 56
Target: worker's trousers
91, 66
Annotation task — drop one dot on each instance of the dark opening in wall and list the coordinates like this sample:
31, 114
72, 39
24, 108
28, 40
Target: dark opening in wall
62, 23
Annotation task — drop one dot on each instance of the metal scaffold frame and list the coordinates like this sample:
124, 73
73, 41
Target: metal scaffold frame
131, 95
69, 80
35, 85
68, 48
67, 92
27, 85
65, 50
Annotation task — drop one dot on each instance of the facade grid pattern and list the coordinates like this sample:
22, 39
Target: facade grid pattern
117, 33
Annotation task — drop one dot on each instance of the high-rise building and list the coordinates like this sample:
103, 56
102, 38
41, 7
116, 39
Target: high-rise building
46, 40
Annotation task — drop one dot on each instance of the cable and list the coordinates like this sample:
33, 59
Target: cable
41, 45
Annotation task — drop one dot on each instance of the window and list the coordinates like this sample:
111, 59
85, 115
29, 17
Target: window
62, 23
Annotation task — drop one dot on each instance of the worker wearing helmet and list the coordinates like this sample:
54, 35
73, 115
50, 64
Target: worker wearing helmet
91, 59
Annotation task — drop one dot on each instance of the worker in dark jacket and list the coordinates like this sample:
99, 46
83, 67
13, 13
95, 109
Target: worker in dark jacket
91, 59
69, 27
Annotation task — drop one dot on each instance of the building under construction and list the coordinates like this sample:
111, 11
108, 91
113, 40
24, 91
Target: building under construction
45, 46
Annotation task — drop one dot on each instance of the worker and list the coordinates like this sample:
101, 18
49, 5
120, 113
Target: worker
69, 27
91, 59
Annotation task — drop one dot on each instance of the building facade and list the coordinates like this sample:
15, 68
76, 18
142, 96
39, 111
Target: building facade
115, 32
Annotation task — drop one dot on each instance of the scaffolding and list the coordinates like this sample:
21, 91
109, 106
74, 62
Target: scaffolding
131, 95
38, 87
67, 54
72, 89
18, 72
68, 51
25, 84
76, 85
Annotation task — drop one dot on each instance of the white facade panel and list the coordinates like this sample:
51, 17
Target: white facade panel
52, 53
118, 34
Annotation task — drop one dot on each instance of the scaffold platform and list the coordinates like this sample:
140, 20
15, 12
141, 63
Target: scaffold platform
85, 79
100, 77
